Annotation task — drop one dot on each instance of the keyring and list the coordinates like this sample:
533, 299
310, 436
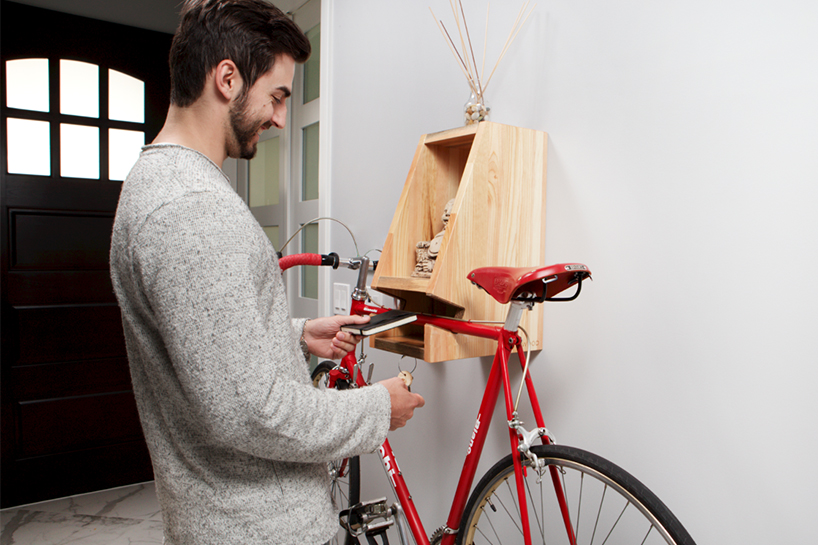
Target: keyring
413, 368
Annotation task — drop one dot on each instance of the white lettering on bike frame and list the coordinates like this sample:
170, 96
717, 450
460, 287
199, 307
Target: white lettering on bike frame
390, 464
474, 434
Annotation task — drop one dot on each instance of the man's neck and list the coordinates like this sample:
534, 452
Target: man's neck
195, 128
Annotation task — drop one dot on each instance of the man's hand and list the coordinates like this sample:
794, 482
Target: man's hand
404, 402
326, 340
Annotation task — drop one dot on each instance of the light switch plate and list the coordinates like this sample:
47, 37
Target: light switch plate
340, 298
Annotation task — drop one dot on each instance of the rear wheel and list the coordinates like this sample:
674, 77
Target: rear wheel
605, 504
345, 473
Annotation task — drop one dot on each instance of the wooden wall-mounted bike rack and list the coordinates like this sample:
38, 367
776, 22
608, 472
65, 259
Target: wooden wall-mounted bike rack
496, 174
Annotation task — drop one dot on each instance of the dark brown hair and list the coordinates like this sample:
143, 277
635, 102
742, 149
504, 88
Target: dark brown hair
251, 33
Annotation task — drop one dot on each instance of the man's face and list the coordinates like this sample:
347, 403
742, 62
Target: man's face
261, 107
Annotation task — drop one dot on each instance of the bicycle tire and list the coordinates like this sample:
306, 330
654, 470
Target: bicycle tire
345, 474
633, 514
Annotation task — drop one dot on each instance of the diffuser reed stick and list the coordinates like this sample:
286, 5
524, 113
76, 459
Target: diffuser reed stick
465, 57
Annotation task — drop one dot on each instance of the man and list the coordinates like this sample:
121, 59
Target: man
239, 438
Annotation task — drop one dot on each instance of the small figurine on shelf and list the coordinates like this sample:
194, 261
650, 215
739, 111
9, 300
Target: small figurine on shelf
426, 250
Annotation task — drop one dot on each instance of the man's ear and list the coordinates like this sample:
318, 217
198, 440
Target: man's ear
227, 80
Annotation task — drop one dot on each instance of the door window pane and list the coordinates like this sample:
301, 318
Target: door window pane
123, 151
79, 88
272, 234
264, 174
126, 97
309, 275
309, 170
29, 147
312, 68
79, 151
27, 84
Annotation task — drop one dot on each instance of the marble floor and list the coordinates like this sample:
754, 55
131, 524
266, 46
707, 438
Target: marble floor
122, 516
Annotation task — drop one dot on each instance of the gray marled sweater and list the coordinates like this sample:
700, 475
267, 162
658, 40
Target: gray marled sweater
239, 438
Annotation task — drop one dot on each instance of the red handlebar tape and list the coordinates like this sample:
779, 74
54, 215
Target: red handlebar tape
299, 259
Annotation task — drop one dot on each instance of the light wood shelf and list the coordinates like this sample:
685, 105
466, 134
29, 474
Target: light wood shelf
496, 174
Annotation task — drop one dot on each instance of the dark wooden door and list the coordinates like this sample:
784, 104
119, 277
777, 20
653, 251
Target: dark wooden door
69, 420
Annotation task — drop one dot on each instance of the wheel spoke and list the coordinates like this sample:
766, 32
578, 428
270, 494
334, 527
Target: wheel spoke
646, 535
616, 522
338, 493
536, 515
493, 530
513, 497
599, 513
566, 493
579, 508
542, 510
511, 517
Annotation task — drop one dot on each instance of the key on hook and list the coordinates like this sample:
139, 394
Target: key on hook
406, 377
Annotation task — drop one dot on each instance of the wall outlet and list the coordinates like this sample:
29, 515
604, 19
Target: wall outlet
340, 298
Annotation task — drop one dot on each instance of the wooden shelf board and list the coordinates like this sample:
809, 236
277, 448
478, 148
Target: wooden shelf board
453, 137
405, 283
406, 346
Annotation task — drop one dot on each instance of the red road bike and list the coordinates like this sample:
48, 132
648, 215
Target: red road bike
541, 492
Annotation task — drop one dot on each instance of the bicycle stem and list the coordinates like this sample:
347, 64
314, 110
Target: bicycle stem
360, 288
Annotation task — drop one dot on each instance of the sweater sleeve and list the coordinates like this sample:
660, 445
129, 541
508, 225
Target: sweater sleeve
215, 293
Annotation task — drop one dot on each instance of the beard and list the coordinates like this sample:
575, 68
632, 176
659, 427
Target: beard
243, 129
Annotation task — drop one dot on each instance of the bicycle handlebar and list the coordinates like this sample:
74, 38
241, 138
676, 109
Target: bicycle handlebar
322, 260
315, 260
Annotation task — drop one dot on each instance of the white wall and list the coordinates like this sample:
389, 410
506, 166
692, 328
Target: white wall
683, 170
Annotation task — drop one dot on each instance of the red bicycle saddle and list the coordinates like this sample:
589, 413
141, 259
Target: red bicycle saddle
528, 283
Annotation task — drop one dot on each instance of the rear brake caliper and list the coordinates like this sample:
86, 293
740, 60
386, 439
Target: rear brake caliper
527, 439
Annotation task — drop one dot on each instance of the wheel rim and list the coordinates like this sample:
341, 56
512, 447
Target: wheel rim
321, 379
601, 510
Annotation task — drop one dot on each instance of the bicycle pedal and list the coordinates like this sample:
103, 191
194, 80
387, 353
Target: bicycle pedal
368, 517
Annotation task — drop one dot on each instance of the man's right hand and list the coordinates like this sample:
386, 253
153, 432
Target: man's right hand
404, 402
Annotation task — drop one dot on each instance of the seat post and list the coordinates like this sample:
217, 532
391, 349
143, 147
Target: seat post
515, 314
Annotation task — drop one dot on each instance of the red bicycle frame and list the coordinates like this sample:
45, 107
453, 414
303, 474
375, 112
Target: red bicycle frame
507, 343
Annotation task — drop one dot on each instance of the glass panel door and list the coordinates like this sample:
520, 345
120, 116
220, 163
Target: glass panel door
264, 191
305, 197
